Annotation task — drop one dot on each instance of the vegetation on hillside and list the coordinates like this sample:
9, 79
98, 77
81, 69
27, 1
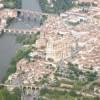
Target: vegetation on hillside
10, 3
6, 95
27, 39
62, 95
58, 5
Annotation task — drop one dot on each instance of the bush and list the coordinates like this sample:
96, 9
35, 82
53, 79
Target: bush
10, 3
59, 6
6, 95
91, 76
26, 39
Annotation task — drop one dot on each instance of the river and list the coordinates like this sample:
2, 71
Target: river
31, 5
8, 45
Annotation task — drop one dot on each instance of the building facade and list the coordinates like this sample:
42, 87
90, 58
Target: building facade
58, 47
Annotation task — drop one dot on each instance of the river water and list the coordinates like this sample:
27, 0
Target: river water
31, 5
8, 45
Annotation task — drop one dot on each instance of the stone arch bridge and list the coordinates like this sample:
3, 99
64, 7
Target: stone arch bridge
21, 31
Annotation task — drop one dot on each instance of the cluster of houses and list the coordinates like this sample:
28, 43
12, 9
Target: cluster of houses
78, 43
5, 14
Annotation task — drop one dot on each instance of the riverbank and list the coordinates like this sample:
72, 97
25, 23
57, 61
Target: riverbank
8, 47
21, 53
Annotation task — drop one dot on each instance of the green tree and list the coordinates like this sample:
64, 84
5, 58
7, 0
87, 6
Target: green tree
6, 95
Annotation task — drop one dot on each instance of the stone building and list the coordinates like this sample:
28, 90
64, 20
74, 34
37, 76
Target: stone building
58, 47
89, 54
55, 39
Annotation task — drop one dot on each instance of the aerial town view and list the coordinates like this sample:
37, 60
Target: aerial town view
49, 49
